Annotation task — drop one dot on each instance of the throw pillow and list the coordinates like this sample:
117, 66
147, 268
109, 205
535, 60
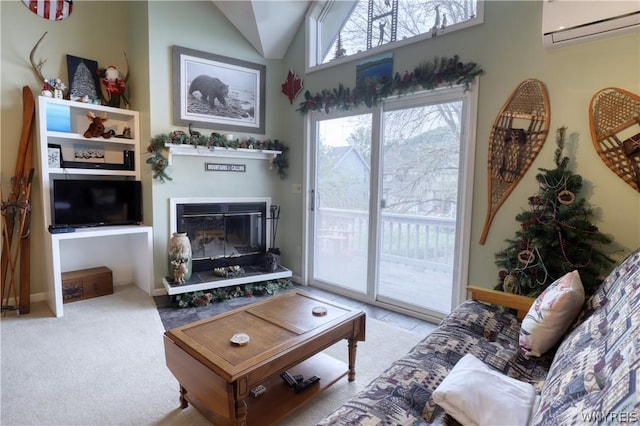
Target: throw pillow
475, 394
551, 314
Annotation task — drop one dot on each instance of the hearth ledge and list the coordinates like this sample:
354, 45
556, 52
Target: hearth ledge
206, 281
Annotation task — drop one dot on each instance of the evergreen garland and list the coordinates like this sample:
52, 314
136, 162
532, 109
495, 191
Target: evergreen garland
428, 75
203, 298
555, 236
159, 162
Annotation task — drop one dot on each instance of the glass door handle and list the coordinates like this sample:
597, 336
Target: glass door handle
312, 205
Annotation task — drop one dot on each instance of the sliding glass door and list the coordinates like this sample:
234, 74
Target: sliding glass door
420, 167
341, 202
390, 207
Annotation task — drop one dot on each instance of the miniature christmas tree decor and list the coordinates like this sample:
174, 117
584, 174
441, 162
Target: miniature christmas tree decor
555, 236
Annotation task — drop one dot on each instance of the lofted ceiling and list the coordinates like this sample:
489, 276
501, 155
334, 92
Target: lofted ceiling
269, 25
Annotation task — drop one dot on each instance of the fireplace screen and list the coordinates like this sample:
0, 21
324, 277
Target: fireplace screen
224, 235
223, 230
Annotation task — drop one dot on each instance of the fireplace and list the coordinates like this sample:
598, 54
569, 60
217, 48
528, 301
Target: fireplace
223, 232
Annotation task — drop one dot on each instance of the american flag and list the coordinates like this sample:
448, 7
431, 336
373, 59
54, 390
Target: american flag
53, 10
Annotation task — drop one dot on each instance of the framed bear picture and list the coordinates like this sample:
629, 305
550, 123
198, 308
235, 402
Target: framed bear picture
217, 92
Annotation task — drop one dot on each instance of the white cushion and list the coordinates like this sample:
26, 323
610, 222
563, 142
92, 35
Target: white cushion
474, 394
549, 317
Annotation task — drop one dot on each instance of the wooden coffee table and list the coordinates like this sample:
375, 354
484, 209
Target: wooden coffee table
216, 376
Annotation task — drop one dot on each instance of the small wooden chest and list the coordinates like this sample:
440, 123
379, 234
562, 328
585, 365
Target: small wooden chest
86, 283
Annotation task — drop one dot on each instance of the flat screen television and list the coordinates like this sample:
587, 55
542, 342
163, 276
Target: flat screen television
90, 202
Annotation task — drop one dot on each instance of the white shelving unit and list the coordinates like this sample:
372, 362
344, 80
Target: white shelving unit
126, 250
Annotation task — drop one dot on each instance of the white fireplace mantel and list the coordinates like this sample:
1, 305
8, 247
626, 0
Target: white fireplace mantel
217, 151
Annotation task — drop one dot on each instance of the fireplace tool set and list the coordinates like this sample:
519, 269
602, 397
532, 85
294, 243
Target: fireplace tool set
272, 256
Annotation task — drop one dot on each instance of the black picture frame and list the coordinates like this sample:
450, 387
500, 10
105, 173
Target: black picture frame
54, 156
83, 79
88, 153
235, 92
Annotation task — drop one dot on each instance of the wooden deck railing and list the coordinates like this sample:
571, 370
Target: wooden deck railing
409, 239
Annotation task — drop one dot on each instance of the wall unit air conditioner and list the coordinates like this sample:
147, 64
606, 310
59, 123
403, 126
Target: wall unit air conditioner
572, 21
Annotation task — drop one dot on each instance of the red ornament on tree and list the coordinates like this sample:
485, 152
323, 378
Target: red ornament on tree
292, 86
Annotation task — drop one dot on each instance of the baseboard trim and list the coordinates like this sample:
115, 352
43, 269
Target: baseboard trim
42, 296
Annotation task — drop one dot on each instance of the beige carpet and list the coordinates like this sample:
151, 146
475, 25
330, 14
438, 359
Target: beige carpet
103, 364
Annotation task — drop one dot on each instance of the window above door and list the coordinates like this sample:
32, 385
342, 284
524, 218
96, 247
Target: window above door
341, 31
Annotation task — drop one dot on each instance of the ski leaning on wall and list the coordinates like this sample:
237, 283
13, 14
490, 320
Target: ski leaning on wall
16, 218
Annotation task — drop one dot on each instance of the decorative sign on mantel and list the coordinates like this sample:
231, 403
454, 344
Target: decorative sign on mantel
218, 167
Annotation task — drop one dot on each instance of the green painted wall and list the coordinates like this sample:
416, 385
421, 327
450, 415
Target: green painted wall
508, 46
199, 25
96, 30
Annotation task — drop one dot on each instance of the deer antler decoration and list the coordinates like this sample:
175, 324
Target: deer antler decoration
126, 77
38, 68
126, 60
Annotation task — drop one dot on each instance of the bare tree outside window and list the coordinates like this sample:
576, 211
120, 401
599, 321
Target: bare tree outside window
421, 151
416, 197
373, 23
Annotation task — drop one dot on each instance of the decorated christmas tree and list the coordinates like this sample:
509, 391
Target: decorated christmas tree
555, 236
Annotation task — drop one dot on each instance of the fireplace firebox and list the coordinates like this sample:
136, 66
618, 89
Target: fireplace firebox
223, 232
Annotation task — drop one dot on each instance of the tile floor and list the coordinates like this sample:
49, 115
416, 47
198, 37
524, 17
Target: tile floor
173, 316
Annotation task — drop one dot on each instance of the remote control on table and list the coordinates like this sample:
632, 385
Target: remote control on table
257, 391
306, 383
288, 379
60, 229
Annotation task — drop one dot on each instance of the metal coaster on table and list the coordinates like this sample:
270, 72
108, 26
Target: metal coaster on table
319, 311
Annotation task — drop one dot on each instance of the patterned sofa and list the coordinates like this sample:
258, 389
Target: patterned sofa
592, 377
